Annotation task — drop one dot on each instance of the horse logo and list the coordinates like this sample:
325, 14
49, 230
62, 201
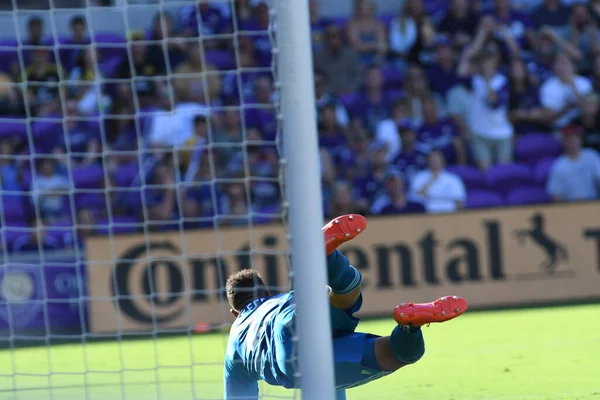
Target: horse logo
555, 251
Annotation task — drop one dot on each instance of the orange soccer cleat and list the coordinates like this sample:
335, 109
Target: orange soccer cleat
342, 229
419, 314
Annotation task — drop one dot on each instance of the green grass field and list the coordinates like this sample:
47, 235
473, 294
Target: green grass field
541, 354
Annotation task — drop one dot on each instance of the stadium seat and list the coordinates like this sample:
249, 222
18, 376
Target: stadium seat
9, 54
534, 147
472, 177
392, 77
542, 170
483, 199
14, 208
505, 177
125, 174
12, 128
88, 177
527, 195
223, 60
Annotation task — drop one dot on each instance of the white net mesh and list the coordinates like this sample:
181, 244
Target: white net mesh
140, 166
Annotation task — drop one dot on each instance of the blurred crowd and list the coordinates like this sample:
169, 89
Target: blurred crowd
442, 106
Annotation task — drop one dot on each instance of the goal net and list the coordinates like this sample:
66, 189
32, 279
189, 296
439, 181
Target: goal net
142, 163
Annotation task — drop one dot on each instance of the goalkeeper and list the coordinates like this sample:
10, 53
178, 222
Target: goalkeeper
260, 343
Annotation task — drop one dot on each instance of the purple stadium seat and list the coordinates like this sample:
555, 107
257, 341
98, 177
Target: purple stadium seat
118, 225
14, 209
223, 60
9, 54
110, 45
527, 195
504, 177
349, 100
533, 147
340, 21
126, 173
483, 199
107, 37
387, 19
542, 170
88, 177
109, 67
12, 232
471, 176
13, 128
46, 134
94, 201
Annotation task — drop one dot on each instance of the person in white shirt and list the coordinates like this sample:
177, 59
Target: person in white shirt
440, 191
576, 174
488, 119
173, 128
564, 92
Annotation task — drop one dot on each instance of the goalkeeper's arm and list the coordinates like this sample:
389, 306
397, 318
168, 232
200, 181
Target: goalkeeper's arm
238, 384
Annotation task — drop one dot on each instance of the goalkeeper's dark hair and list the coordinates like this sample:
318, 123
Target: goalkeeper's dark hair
243, 287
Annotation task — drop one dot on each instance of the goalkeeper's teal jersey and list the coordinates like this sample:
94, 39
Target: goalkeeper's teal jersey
253, 341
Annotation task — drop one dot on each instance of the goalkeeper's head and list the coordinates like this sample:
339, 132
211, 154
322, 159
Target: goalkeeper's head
243, 287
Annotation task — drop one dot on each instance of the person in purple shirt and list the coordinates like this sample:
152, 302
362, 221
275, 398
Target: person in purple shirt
411, 159
354, 159
261, 115
258, 24
460, 23
392, 199
239, 84
331, 134
370, 182
442, 74
75, 44
440, 134
317, 26
373, 102
518, 24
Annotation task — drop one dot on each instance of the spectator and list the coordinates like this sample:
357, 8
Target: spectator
355, 158
194, 81
411, 32
372, 104
317, 26
42, 84
558, 44
36, 240
370, 181
228, 139
261, 115
439, 190
440, 134
81, 142
366, 34
35, 33
417, 88
594, 9
236, 205
160, 195
589, 121
393, 199
174, 126
76, 42
324, 98
86, 83
490, 127
339, 63
331, 134
551, 13
564, 92
11, 102
49, 189
121, 134
459, 23
165, 49
342, 201
442, 74
190, 154
411, 159
526, 113
583, 34
212, 21
259, 25
263, 163
200, 198
515, 23
387, 130
576, 174
247, 74
9, 170
144, 68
